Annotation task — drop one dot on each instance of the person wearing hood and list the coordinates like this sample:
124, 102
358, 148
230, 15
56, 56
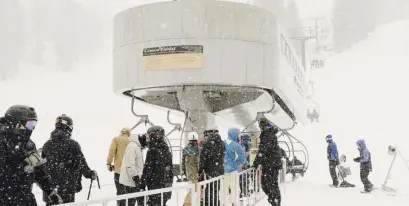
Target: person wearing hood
116, 154
158, 168
132, 167
269, 158
365, 164
211, 165
66, 163
235, 155
332, 156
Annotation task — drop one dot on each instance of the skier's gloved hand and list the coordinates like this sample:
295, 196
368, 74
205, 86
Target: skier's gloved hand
337, 162
137, 180
54, 198
91, 174
110, 167
357, 159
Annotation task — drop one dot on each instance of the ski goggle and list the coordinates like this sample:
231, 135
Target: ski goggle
64, 122
30, 124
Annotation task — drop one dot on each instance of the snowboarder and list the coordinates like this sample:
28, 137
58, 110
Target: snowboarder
332, 156
365, 164
211, 165
269, 158
157, 170
116, 154
190, 163
66, 163
132, 167
20, 163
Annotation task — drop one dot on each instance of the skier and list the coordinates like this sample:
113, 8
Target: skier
66, 163
20, 163
235, 157
157, 170
269, 157
190, 163
365, 164
132, 167
344, 171
211, 165
116, 154
332, 156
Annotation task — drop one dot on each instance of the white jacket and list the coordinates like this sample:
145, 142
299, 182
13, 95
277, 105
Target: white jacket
132, 163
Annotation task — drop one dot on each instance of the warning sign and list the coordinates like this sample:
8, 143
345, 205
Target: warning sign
173, 57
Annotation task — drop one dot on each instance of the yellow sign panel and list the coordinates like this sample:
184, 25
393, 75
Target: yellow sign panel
173, 57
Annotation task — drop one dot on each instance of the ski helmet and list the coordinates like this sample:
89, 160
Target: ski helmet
22, 120
64, 122
193, 136
212, 129
156, 133
263, 123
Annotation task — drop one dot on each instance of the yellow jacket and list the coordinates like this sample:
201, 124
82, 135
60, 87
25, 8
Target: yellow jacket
117, 150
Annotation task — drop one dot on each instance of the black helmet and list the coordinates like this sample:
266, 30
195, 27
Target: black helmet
20, 113
64, 122
156, 133
21, 120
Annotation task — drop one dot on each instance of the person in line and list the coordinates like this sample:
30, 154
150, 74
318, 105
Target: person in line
21, 165
190, 163
132, 168
269, 158
116, 154
66, 163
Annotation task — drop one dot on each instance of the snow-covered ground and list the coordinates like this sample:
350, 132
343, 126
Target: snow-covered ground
362, 94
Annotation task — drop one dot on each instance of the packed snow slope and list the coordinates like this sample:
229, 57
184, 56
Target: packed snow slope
362, 94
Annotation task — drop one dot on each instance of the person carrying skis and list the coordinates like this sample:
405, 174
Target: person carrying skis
211, 165
132, 167
332, 156
66, 163
116, 154
190, 163
157, 170
365, 164
20, 163
269, 158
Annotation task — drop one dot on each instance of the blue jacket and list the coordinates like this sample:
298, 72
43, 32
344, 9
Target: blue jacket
332, 151
235, 154
245, 143
365, 156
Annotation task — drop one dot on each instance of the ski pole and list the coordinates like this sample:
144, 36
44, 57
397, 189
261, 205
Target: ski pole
99, 186
89, 191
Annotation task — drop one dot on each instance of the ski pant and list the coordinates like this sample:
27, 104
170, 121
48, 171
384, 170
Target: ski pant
18, 199
119, 190
155, 200
66, 198
364, 177
269, 184
133, 201
333, 172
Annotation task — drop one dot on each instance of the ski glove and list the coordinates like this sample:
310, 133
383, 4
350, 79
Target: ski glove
91, 174
357, 159
110, 167
137, 180
54, 198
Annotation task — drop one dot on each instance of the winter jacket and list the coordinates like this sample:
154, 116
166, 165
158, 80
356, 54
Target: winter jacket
245, 143
332, 151
15, 183
269, 153
157, 170
235, 154
212, 157
364, 155
190, 162
66, 163
117, 150
132, 163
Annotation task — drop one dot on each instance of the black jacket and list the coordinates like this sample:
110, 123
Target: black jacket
65, 162
212, 157
16, 184
157, 171
269, 153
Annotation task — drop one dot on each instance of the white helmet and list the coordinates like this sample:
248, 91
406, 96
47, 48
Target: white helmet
192, 136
